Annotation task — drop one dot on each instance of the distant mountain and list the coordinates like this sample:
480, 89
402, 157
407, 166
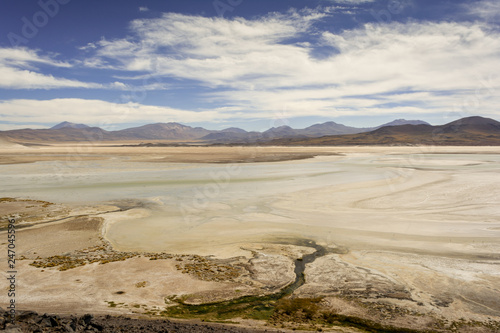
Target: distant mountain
69, 132
472, 125
470, 131
330, 128
53, 135
399, 122
67, 124
466, 131
233, 130
280, 132
162, 131
314, 131
232, 137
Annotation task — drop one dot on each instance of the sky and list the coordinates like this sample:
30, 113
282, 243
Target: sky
253, 64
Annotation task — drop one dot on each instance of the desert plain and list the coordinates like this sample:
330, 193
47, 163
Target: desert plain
347, 239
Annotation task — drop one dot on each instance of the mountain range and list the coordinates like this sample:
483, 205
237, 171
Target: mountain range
67, 131
466, 131
470, 131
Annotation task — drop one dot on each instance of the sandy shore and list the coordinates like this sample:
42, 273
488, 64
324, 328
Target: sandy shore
412, 234
89, 152
86, 151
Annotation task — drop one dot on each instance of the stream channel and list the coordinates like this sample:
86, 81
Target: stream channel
253, 306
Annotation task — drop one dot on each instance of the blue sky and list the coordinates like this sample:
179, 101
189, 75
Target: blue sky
253, 64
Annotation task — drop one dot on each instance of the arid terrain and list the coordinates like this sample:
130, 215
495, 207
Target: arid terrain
340, 239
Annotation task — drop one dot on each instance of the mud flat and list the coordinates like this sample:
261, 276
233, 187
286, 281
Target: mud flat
353, 239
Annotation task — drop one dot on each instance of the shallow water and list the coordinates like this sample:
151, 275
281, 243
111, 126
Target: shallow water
404, 201
97, 181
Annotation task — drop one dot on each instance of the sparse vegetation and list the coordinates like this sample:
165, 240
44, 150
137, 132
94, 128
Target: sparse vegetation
111, 304
208, 269
297, 309
141, 284
102, 254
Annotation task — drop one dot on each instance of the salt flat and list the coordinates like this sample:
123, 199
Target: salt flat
413, 227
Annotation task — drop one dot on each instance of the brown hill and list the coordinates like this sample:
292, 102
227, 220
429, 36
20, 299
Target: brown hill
160, 131
471, 131
53, 135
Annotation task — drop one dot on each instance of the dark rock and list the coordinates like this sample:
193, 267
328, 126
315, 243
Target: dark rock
44, 322
68, 328
29, 316
33, 323
54, 321
10, 328
98, 327
74, 324
87, 319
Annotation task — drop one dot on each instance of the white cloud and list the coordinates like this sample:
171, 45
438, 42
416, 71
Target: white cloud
9, 127
143, 9
12, 78
24, 57
97, 112
18, 71
485, 10
119, 85
89, 46
219, 49
265, 66
262, 71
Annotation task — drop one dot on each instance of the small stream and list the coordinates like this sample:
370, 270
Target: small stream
263, 307
300, 266
260, 305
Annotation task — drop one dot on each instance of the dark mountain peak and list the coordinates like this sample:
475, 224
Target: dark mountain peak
474, 120
473, 124
404, 129
67, 124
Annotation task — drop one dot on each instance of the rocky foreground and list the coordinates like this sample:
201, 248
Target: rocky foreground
29, 321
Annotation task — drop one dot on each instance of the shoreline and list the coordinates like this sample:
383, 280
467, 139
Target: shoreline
72, 153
